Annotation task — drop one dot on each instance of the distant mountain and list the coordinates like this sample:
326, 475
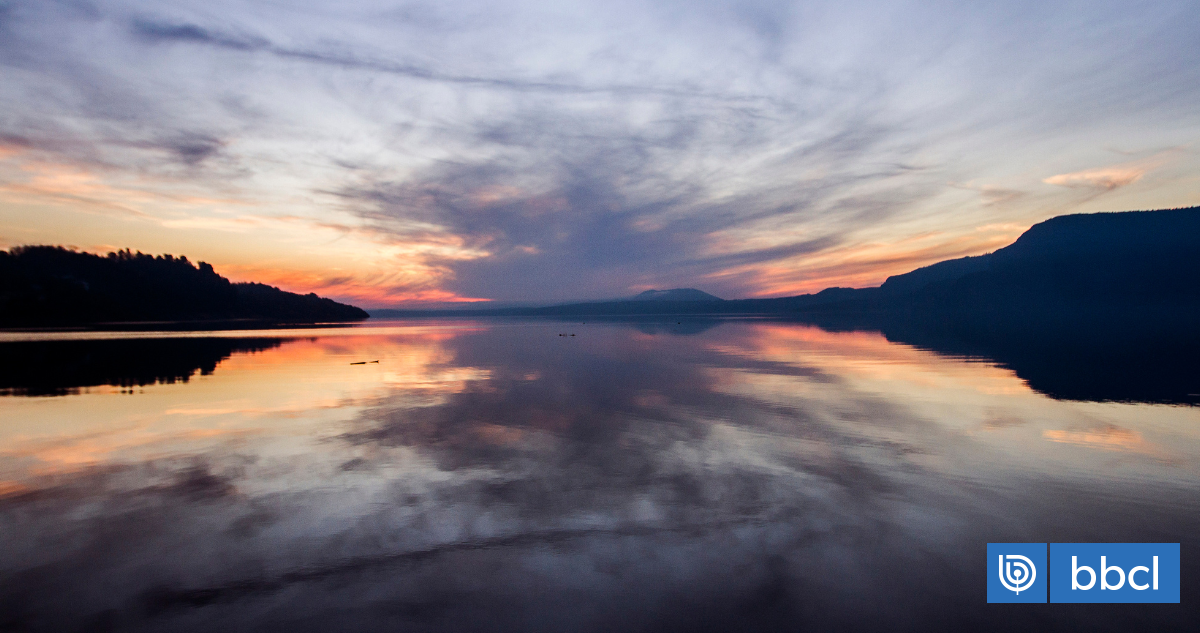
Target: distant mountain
675, 294
1085, 266
50, 286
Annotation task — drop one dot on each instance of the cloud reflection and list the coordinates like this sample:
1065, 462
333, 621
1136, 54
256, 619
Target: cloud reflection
501, 477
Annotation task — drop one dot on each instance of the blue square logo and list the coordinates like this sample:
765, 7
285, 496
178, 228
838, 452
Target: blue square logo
1016, 572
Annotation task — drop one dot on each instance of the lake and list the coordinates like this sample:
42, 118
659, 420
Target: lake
525, 475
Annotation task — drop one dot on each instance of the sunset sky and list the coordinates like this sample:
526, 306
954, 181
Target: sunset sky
392, 153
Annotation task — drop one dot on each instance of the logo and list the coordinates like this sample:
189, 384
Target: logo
1114, 572
1016, 572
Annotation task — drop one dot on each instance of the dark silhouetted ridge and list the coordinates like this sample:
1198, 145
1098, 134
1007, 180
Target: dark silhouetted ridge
675, 294
50, 286
1136, 256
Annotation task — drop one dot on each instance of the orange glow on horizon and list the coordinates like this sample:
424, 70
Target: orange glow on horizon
360, 265
336, 254
870, 264
344, 287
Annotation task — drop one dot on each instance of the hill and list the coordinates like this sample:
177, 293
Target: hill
675, 294
1135, 256
1085, 265
51, 286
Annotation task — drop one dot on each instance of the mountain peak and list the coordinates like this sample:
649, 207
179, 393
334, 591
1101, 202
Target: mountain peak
675, 294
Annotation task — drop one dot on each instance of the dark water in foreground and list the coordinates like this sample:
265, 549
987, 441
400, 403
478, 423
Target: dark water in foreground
494, 475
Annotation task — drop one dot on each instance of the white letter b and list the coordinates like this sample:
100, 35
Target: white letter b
1104, 569
1075, 569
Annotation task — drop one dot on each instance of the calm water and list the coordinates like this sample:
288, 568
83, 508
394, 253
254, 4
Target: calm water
495, 475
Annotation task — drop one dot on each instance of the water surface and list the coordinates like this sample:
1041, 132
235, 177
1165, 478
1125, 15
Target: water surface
548, 476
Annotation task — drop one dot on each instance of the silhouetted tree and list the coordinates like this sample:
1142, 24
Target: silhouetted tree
43, 286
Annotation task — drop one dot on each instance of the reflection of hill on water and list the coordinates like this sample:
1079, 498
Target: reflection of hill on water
1087, 367
1072, 353
55, 368
1104, 356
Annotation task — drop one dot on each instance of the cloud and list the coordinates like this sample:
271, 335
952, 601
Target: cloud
538, 152
1114, 176
162, 32
1106, 437
598, 218
189, 148
157, 32
1107, 178
567, 206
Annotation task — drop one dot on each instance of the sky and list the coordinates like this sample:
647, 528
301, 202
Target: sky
419, 154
